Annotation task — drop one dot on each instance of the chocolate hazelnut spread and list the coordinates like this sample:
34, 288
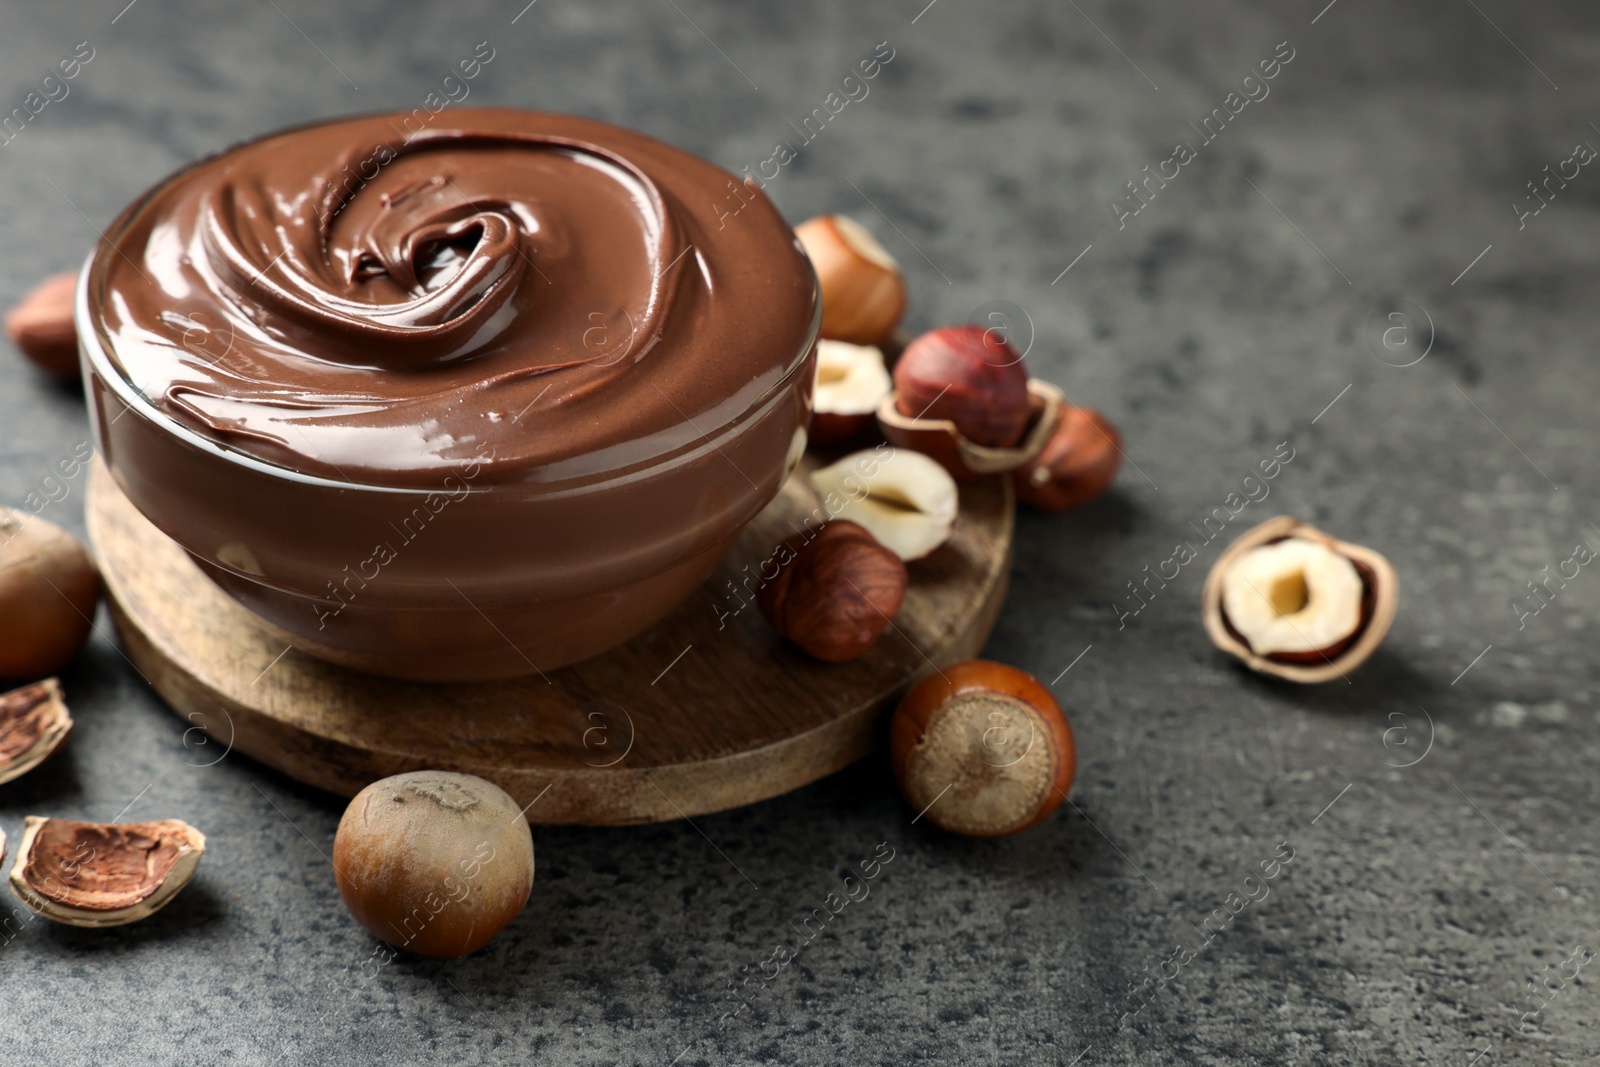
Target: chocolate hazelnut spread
465, 403
356, 303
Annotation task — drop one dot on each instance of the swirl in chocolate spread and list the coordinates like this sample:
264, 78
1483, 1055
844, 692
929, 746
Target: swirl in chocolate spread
550, 290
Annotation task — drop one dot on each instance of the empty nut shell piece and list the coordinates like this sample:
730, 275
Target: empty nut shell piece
982, 749
1076, 465
34, 722
1290, 601
103, 874
834, 593
942, 441
41, 326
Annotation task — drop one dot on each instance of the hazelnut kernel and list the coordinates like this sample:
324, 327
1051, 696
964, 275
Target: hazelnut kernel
836, 593
969, 375
42, 328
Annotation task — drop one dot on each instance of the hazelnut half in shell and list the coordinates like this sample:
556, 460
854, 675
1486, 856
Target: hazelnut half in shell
1288, 600
942, 441
982, 749
103, 874
969, 375
34, 722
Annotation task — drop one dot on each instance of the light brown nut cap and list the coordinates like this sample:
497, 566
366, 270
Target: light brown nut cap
1380, 597
103, 874
982, 749
34, 722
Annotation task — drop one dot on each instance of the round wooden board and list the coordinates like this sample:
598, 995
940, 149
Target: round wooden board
708, 710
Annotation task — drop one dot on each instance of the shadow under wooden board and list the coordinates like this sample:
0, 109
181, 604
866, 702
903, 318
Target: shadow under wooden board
703, 712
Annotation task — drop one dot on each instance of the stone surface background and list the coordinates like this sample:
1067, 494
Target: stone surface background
1224, 318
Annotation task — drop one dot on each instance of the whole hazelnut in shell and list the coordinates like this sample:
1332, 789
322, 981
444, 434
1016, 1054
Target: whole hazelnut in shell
982, 749
863, 294
1077, 463
969, 375
433, 862
48, 590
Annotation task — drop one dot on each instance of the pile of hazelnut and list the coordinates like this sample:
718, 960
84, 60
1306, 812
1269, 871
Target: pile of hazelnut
957, 404
979, 748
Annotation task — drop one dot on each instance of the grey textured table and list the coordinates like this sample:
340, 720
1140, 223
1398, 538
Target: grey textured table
1439, 807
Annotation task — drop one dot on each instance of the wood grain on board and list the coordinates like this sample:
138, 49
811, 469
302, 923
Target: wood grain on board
707, 710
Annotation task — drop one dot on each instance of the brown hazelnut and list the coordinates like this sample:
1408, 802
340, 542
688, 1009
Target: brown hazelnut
433, 862
48, 589
1077, 463
1288, 600
34, 722
41, 326
103, 874
863, 294
835, 594
969, 375
982, 749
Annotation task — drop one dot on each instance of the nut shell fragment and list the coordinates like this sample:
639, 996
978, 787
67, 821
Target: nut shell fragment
1379, 600
103, 874
34, 722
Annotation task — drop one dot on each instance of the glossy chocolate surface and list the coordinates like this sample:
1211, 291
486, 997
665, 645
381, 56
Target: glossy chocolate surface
357, 301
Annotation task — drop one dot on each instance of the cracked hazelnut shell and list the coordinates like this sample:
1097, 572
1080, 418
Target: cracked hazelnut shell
941, 440
837, 593
34, 723
48, 590
982, 749
969, 375
1380, 598
433, 862
103, 874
